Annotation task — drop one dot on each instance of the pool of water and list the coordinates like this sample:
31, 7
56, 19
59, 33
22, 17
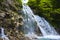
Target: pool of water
47, 39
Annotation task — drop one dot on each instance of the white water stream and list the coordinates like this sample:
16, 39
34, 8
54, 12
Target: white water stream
2, 34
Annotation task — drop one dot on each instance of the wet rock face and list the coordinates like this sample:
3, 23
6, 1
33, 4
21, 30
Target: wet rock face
38, 32
10, 24
10, 20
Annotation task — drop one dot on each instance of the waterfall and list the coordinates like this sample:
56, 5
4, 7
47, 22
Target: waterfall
30, 22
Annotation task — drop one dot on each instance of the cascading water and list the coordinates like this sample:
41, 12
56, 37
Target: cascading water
2, 35
30, 22
45, 26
